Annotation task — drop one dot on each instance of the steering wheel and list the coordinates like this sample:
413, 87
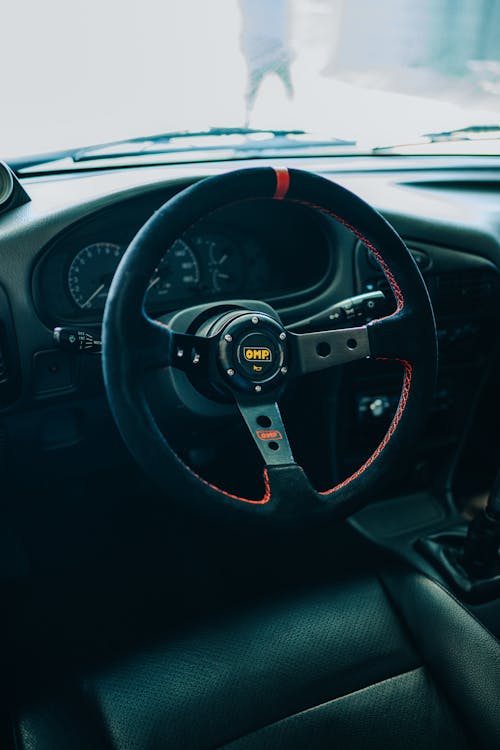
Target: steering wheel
243, 354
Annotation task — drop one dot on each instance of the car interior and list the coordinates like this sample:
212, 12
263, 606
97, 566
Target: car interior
249, 446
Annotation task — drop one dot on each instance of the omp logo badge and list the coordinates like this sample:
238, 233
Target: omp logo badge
269, 435
257, 354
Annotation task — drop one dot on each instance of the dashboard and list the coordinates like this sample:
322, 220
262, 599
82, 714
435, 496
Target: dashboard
235, 253
58, 254
62, 461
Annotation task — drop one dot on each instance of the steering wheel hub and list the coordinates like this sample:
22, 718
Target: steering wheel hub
253, 352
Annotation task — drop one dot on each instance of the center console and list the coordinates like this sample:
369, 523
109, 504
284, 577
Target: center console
420, 515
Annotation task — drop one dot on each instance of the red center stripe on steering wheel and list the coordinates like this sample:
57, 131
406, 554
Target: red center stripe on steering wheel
282, 183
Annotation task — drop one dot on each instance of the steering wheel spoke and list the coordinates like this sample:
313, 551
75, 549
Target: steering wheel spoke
190, 353
264, 421
393, 337
161, 347
311, 352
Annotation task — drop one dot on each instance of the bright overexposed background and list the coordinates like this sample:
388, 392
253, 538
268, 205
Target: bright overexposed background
76, 73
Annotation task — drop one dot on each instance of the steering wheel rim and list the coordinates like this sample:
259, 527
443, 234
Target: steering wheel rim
132, 343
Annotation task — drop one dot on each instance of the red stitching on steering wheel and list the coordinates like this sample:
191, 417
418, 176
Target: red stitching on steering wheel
405, 391
264, 499
408, 367
385, 268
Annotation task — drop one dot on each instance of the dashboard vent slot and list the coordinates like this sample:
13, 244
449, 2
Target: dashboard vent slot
4, 373
464, 291
10, 382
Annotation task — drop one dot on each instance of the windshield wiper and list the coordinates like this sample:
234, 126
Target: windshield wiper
237, 141
479, 132
211, 139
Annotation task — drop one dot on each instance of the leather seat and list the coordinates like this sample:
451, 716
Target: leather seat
378, 661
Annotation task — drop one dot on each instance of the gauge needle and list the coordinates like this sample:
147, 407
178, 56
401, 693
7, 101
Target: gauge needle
94, 294
153, 282
222, 260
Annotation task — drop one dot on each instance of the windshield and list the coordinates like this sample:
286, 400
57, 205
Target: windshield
377, 73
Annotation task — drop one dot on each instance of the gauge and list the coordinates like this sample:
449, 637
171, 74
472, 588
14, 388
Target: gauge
91, 272
6, 183
225, 262
177, 275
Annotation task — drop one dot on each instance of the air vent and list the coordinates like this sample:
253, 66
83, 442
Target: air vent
465, 291
4, 372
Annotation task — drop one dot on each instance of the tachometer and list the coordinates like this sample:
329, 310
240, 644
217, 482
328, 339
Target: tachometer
177, 276
91, 272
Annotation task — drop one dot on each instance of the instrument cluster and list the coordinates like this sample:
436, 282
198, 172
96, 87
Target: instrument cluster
195, 265
246, 256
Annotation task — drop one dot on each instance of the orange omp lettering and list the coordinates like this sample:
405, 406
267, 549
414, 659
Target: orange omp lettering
257, 354
269, 435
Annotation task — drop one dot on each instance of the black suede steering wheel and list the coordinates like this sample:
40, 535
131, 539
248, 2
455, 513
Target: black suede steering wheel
247, 356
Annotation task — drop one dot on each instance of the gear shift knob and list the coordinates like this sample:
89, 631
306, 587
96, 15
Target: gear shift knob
480, 555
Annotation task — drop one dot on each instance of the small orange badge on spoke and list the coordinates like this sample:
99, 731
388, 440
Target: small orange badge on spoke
269, 435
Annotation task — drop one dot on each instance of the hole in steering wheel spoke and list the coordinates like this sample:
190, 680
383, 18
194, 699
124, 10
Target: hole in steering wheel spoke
323, 349
264, 421
273, 446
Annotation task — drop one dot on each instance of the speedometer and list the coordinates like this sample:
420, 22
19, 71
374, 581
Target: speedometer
91, 272
93, 267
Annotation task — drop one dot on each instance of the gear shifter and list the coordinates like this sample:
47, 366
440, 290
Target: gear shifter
480, 554
469, 557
